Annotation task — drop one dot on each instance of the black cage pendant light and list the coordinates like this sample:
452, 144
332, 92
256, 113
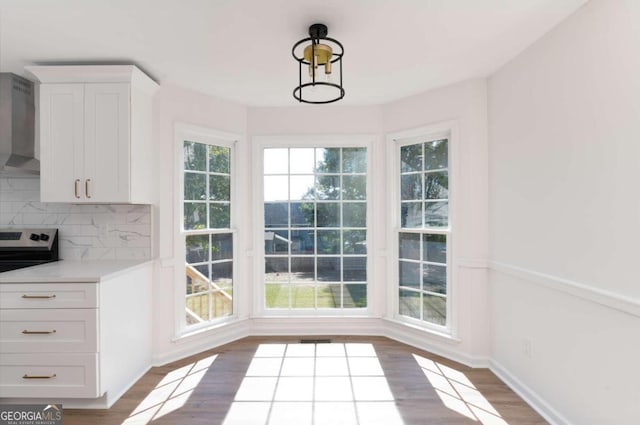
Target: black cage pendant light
318, 64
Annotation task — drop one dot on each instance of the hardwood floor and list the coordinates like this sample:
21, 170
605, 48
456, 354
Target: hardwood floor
278, 380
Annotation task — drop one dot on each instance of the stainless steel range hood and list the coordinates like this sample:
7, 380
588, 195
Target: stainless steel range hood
17, 127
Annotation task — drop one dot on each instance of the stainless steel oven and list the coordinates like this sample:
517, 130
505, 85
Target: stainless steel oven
25, 247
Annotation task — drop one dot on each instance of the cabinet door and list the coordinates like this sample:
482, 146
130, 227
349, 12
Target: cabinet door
61, 142
107, 152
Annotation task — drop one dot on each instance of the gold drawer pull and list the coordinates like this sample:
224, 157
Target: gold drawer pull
28, 332
39, 297
38, 376
76, 189
86, 188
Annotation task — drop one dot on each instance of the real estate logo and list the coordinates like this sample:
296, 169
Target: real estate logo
30, 414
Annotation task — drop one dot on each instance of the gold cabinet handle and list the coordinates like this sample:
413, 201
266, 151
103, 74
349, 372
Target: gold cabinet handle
28, 332
77, 188
38, 376
38, 297
86, 188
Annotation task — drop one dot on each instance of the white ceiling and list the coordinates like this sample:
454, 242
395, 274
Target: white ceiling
241, 49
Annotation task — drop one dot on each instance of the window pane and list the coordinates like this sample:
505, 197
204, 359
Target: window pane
222, 276
354, 187
308, 229
354, 269
436, 214
354, 160
209, 257
328, 296
195, 216
328, 187
197, 307
222, 247
329, 269
409, 246
302, 214
435, 309
221, 303
197, 248
277, 296
354, 241
276, 161
328, 214
219, 188
276, 242
195, 156
276, 188
303, 296
422, 257
434, 248
195, 186
219, 158
411, 158
411, 187
276, 215
303, 242
409, 303
354, 296
410, 274
328, 160
354, 214
411, 215
436, 185
301, 161
328, 242
436, 155
434, 278
276, 269
302, 269
302, 187
220, 216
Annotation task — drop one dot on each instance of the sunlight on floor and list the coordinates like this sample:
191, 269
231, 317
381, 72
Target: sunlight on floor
318, 384
315, 384
458, 393
171, 393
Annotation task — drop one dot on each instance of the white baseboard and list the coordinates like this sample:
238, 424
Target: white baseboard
539, 404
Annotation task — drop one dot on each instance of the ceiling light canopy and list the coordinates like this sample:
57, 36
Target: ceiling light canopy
319, 67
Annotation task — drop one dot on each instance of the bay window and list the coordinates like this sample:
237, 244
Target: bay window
315, 228
207, 230
424, 230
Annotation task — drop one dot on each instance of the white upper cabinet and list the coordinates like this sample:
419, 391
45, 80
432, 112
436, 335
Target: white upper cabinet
95, 134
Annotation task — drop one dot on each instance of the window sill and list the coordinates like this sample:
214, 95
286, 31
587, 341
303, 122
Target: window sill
443, 336
227, 324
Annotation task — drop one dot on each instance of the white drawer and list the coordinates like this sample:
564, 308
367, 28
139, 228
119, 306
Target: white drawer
48, 331
48, 375
48, 295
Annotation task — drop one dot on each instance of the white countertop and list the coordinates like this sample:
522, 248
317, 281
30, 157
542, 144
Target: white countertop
71, 271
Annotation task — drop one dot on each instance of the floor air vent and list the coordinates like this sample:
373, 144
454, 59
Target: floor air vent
315, 341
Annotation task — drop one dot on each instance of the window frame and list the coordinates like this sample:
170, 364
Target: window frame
187, 132
306, 141
395, 141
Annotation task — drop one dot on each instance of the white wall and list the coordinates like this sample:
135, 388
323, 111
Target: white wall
465, 104
174, 105
564, 216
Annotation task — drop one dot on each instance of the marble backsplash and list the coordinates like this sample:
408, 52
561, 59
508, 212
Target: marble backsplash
87, 232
